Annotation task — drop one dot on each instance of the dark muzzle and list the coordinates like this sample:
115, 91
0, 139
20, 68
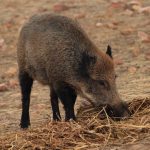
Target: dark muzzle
118, 112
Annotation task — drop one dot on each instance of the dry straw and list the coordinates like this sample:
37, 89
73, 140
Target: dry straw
88, 133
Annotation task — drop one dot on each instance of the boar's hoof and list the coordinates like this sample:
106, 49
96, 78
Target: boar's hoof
24, 125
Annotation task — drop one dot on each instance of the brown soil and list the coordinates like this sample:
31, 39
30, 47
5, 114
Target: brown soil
124, 26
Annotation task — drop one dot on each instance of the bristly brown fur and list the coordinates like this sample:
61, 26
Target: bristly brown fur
56, 51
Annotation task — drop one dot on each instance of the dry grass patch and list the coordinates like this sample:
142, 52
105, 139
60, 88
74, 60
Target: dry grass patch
88, 132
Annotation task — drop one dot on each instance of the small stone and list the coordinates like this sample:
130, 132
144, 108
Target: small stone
134, 5
99, 24
136, 8
134, 2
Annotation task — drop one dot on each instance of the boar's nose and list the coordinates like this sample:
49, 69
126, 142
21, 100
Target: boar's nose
119, 111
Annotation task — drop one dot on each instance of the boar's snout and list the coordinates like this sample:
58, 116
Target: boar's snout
119, 111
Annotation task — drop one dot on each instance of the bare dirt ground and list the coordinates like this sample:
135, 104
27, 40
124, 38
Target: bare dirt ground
124, 24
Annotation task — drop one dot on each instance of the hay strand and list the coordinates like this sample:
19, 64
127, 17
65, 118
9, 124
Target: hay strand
89, 132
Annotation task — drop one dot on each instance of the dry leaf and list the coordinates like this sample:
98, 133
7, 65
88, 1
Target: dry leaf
132, 69
13, 83
134, 2
60, 7
11, 72
147, 56
80, 16
145, 10
128, 12
116, 5
3, 105
10, 23
118, 61
144, 37
127, 31
111, 26
3, 87
2, 44
43, 9
39, 106
135, 51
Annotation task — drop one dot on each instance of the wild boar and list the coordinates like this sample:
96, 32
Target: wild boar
55, 50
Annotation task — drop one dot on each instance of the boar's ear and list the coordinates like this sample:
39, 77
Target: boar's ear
87, 62
109, 52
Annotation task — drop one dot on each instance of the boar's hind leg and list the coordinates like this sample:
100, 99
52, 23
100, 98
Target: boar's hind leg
26, 85
67, 96
55, 106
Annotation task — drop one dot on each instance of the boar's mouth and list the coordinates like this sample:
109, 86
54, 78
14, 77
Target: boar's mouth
118, 112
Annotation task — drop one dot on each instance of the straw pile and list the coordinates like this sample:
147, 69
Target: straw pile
88, 132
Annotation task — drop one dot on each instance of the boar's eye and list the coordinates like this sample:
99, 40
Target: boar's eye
104, 83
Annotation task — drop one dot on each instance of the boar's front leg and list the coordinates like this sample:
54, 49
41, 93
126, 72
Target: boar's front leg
68, 97
55, 106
